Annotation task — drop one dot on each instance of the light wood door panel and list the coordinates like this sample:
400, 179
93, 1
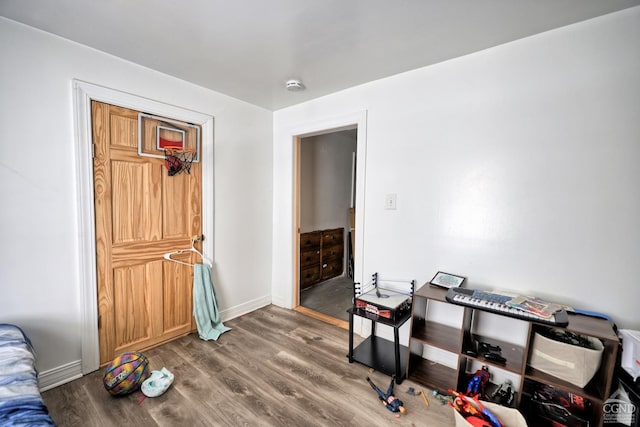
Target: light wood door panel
123, 128
133, 296
136, 201
141, 214
178, 280
177, 215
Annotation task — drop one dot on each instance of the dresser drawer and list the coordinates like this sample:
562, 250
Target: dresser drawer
309, 276
310, 240
333, 237
331, 268
309, 257
332, 252
321, 255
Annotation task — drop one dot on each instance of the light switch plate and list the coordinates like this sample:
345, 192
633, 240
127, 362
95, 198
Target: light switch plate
390, 201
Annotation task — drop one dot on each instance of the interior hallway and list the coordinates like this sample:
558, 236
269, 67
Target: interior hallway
332, 297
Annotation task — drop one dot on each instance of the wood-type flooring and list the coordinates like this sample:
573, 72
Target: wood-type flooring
276, 367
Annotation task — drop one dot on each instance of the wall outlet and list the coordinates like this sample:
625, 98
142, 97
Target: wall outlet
390, 201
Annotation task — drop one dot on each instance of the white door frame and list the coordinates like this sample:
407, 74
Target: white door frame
83, 94
354, 120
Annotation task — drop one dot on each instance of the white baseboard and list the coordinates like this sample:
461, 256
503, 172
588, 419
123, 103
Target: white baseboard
61, 375
281, 302
247, 307
73, 370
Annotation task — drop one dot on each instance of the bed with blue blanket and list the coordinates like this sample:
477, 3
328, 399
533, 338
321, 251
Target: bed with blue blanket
20, 401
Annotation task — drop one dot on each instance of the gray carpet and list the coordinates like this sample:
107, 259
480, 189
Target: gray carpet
332, 297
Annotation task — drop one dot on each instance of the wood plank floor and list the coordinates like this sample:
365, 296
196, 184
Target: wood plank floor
276, 367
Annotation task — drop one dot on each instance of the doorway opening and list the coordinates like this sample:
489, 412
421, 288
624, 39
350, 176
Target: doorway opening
326, 209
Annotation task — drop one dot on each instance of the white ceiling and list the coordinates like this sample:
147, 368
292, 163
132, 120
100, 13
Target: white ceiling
248, 49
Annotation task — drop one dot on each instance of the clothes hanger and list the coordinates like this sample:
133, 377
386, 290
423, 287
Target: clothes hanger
167, 256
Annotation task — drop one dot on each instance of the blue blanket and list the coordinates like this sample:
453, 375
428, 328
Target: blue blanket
20, 401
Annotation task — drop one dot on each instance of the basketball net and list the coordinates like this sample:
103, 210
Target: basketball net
178, 160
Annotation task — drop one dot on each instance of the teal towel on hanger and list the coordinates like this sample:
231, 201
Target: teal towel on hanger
205, 307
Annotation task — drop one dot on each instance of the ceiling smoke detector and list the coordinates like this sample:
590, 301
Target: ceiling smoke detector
295, 85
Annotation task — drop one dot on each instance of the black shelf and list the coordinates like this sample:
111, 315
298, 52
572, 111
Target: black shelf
378, 353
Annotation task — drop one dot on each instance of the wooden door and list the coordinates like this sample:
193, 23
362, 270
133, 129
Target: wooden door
141, 213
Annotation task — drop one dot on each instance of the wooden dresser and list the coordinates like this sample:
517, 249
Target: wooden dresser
321, 256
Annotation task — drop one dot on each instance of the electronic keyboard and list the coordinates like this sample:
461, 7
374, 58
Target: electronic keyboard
497, 303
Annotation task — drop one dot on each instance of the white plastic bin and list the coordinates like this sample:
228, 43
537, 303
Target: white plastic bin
630, 352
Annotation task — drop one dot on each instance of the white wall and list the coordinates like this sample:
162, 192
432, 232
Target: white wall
325, 180
39, 285
516, 166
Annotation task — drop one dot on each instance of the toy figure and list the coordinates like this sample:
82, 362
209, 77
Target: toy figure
388, 399
444, 399
504, 394
478, 382
473, 411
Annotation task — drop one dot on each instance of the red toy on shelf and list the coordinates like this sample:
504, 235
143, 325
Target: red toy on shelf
478, 382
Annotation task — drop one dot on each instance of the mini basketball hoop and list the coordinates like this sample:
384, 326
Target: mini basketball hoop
178, 160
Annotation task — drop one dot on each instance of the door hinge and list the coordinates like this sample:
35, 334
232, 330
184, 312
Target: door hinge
93, 151
99, 322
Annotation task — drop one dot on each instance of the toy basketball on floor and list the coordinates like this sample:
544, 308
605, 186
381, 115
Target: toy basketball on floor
126, 373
